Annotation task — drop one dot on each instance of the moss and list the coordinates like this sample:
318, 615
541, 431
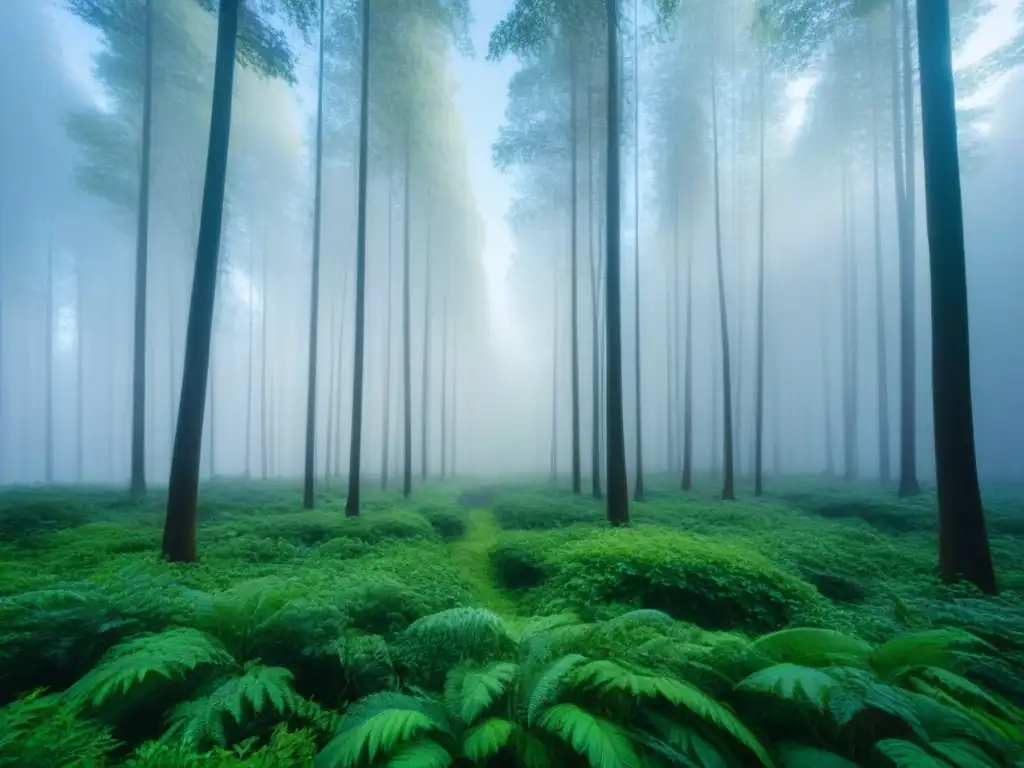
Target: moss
712, 584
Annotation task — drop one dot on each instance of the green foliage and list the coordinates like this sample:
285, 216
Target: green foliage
43, 731
448, 524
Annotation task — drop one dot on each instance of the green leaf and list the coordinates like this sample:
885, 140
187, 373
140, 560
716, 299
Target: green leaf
546, 689
813, 647
377, 725
604, 744
487, 739
906, 754
479, 689
964, 754
422, 754
803, 756
793, 682
931, 648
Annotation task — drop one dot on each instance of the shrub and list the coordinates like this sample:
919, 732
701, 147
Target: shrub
447, 523
519, 563
311, 528
550, 510
709, 583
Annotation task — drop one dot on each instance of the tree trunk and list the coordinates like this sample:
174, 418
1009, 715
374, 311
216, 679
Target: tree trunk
308, 497
211, 456
884, 461
340, 356
407, 326
455, 399
138, 464
577, 485
425, 389
728, 491
826, 382
688, 374
179, 541
333, 394
355, 453
759, 373
638, 493
618, 491
850, 336
387, 337
963, 540
671, 342
593, 243
905, 215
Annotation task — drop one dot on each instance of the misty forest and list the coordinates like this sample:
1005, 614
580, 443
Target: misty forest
427, 383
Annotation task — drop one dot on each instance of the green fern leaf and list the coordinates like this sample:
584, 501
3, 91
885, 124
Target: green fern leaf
533, 752
794, 683
687, 744
802, 756
812, 647
480, 689
375, 725
170, 654
422, 754
603, 743
547, 687
931, 648
464, 626
906, 754
647, 617
487, 739
959, 689
963, 754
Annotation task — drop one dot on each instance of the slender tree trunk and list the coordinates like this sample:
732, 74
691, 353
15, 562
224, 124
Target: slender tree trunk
577, 484
48, 447
688, 374
333, 395
340, 355
826, 380
638, 493
963, 539
594, 246
179, 542
671, 342
264, 419
387, 337
271, 425
138, 477
308, 497
759, 373
903, 87
884, 461
455, 392
716, 409
212, 455
850, 335
425, 389
407, 327
355, 454
728, 491
618, 490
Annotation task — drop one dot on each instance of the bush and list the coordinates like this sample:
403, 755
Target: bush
709, 583
308, 529
447, 523
519, 563
550, 510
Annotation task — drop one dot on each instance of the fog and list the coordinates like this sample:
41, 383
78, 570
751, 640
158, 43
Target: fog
488, 224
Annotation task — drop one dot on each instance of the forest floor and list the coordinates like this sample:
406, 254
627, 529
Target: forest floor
309, 590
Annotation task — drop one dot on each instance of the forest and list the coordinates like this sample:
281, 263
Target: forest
427, 383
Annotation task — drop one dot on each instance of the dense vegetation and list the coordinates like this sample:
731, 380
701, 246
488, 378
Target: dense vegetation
504, 625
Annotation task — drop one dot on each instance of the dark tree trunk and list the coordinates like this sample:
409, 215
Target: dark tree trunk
728, 491
355, 453
759, 373
48, 447
594, 246
333, 394
903, 157
963, 540
138, 465
407, 327
425, 388
308, 495
577, 484
211, 456
884, 460
385, 458
340, 356
618, 490
179, 541
638, 492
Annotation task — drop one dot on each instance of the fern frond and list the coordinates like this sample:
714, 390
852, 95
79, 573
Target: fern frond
931, 648
794, 683
686, 743
44, 730
259, 688
472, 692
647, 617
964, 754
487, 739
459, 624
607, 676
907, 754
604, 744
803, 756
422, 754
959, 689
544, 691
812, 647
170, 654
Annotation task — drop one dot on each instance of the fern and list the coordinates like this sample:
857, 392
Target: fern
257, 690
802, 756
548, 685
473, 692
811, 647
684, 743
793, 682
907, 754
487, 739
43, 731
422, 754
604, 744
931, 648
169, 655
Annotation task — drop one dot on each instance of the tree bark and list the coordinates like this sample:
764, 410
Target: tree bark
577, 484
425, 389
882, 360
638, 492
759, 373
355, 454
407, 326
179, 541
963, 539
385, 458
688, 375
594, 246
308, 494
137, 487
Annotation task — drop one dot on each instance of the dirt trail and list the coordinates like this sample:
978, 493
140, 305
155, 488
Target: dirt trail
470, 553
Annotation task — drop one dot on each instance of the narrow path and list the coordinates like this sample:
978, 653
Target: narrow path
471, 555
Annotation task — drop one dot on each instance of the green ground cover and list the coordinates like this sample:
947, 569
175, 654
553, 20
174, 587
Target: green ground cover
505, 625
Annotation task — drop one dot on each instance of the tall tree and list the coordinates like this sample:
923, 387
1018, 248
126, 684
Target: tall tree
963, 540
638, 493
759, 404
